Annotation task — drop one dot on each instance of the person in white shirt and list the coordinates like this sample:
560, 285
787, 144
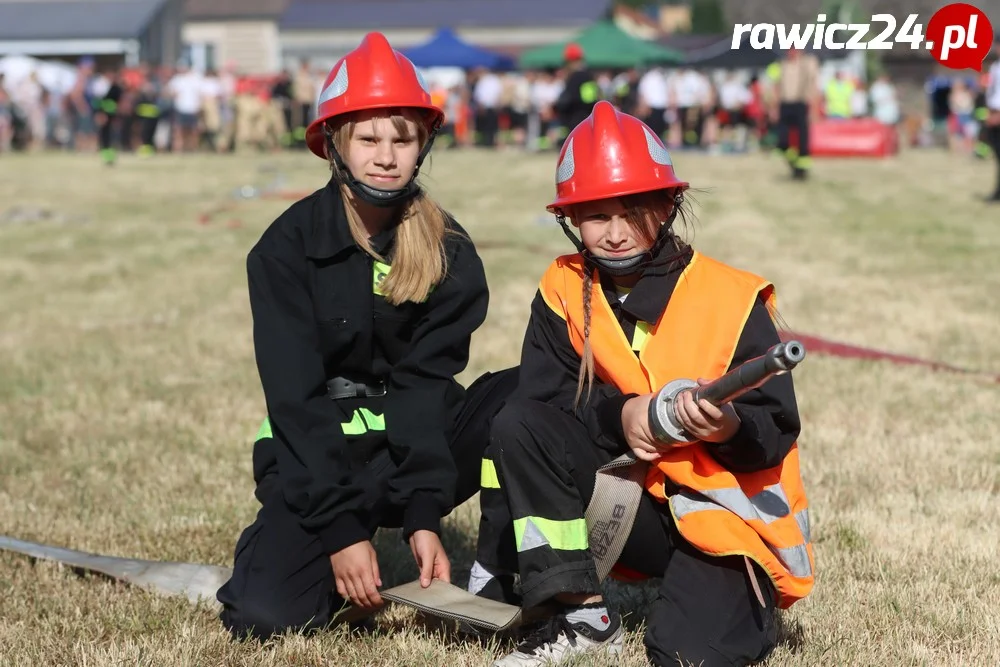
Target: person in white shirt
486, 97
885, 104
859, 100
654, 97
734, 96
187, 89
545, 91
692, 95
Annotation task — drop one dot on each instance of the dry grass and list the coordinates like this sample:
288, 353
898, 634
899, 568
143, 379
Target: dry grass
129, 397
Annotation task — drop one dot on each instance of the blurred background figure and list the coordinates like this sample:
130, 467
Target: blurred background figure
186, 91
795, 104
991, 122
580, 91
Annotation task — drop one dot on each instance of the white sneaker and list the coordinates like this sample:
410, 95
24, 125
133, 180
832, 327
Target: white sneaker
557, 639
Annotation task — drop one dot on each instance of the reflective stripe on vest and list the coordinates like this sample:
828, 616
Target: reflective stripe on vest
762, 515
838, 98
589, 92
147, 110
768, 506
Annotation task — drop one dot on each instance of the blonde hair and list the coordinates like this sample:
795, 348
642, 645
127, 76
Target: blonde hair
419, 261
645, 212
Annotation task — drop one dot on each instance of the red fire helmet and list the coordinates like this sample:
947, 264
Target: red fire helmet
572, 51
611, 154
372, 76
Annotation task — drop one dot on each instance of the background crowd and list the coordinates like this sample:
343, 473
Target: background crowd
149, 110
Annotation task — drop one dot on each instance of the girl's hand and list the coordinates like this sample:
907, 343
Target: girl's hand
355, 570
704, 420
635, 424
430, 556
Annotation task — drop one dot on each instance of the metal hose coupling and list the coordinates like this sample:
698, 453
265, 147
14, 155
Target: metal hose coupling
663, 422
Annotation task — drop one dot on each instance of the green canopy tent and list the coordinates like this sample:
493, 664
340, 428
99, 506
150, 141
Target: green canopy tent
604, 45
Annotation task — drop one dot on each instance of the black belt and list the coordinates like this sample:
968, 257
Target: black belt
339, 387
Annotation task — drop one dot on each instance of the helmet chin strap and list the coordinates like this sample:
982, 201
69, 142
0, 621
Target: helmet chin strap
379, 197
625, 266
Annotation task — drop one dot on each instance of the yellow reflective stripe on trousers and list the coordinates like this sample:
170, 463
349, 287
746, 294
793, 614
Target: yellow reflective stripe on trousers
488, 476
362, 421
534, 531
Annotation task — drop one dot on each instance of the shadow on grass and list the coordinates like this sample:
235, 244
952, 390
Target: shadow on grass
790, 633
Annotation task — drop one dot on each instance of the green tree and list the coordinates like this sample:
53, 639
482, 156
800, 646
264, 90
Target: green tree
850, 11
707, 17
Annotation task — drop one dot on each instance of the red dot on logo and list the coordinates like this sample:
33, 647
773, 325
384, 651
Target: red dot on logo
605, 619
959, 36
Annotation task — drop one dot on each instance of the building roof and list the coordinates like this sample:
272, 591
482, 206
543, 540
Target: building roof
218, 10
94, 19
385, 14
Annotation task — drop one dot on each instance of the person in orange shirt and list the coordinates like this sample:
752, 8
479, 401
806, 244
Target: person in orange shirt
724, 520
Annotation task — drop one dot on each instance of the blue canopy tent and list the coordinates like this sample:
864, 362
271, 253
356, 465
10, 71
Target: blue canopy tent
446, 49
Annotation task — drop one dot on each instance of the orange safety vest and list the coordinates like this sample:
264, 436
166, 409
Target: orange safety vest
761, 515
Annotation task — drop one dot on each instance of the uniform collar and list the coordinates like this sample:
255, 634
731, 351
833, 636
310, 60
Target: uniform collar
648, 298
331, 232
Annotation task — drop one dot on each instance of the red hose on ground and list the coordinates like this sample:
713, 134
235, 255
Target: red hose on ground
288, 194
846, 351
206, 217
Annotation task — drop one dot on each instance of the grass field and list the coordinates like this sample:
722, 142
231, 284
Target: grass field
129, 395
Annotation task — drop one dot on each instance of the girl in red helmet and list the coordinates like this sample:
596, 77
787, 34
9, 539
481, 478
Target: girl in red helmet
364, 297
723, 521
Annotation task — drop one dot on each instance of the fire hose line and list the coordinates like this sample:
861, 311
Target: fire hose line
826, 346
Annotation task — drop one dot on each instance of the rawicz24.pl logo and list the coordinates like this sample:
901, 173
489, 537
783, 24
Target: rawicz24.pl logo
959, 35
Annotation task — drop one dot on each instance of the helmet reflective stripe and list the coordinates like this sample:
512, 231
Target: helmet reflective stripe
336, 88
420, 77
567, 167
656, 150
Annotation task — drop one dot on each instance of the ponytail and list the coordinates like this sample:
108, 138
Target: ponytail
587, 361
